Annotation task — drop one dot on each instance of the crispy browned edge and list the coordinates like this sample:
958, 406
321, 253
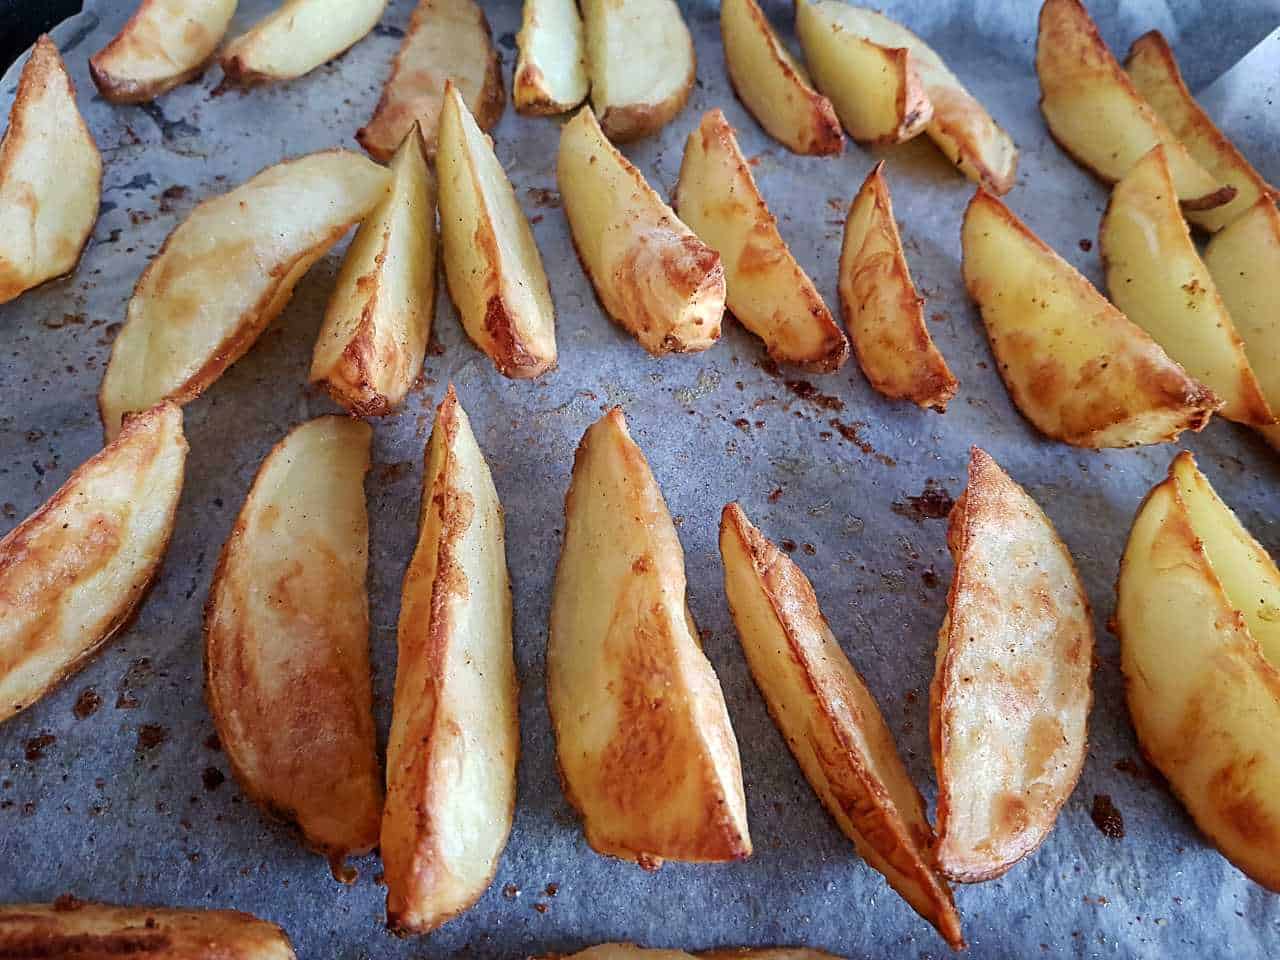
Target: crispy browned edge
538, 104
912, 96
118, 90
237, 73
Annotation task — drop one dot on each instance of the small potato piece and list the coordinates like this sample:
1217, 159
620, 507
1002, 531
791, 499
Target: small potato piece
1075, 366
1203, 687
773, 86
491, 261
226, 272
1017, 645
298, 37
767, 290
50, 177
830, 720
882, 311
551, 70
72, 573
652, 274
451, 758
647, 753
287, 641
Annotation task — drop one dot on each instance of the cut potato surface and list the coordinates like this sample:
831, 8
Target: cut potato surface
551, 70
298, 37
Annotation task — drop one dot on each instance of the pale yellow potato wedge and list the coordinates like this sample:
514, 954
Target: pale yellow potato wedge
378, 320
73, 573
226, 272
297, 37
773, 86
491, 260
1009, 703
1075, 366
882, 311
50, 177
1203, 687
551, 68
287, 641
647, 753
446, 40
451, 758
766, 289
830, 719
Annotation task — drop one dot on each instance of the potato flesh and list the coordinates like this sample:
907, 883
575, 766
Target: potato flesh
165, 43
551, 71
298, 37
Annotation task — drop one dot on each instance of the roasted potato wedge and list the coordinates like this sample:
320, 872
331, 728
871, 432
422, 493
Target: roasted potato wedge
378, 320
287, 641
298, 37
830, 719
491, 261
1017, 644
451, 759
50, 177
766, 289
1075, 366
1196, 606
647, 754
653, 275
446, 40
222, 276
882, 311
773, 86
551, 69
72, 573
164, 44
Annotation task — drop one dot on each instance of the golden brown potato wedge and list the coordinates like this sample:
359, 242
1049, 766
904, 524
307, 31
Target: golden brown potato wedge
773, 86
451, 759
50, 177
1075, 366
882, 311
1196, 606
551, 70
766, 289
647, 753
226, 272
446, 40
72, 573
298, 37
287, 641
491, 261
1017, 644
830, 719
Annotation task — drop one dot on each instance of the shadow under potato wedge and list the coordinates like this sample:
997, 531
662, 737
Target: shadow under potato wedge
297, 37
551, 68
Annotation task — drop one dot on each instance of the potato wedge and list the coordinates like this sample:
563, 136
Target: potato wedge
297, 37
72, 573
491, 261
451, 759
446, 40
378, 321
551, 69
1196, 605
50, 177
1075, 366
287, 641
222, 276
830, 719
1017, 644
163, 45
773, 86
647, 754
882, 311
766, 289
653, 275
642, 64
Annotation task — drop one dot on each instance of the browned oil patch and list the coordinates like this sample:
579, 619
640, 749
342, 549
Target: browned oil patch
933, 503
87, 704
36, 746
151, 735
1107, 817
213, 778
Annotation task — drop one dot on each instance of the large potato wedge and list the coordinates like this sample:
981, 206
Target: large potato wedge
378, 320
298, 37
551, 69
1196, 606
773, 86
766, 289
1075, 366
1017, 645
446, 40
451, 758
50, 177
647, 753
653, 275
74, 571
226, 272
491, 261
882, 311
830, 719
287, 641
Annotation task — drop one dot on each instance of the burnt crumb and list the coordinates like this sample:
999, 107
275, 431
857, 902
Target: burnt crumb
930, 577
211, 742
36, 746
35, 436
553, 889
852, 433
10, 511
1086, 244
171, 196
151, 735
775, 495
213, 778
511, 891
29, 808
788, 545
540, 907
807, 392
435, 348
742, 424
933, 503
809, 549
87, 704
542, 197
1107, 817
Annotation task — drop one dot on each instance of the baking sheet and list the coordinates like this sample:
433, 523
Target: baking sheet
132, 801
